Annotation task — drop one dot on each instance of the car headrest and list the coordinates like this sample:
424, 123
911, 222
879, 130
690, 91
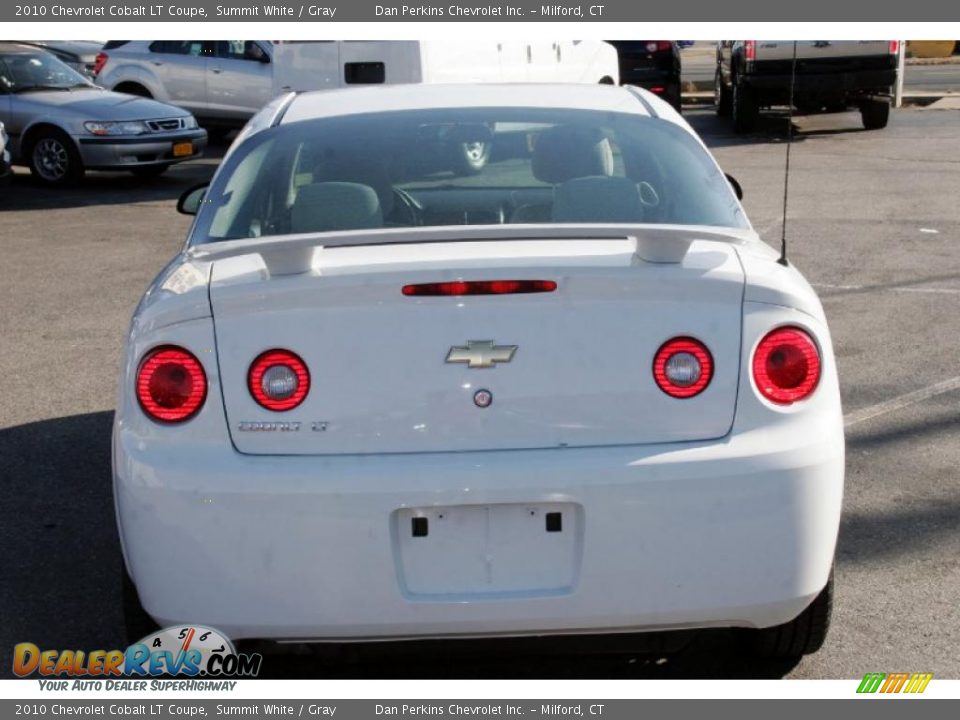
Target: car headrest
597, 200
562, 153
355, 168
326, 206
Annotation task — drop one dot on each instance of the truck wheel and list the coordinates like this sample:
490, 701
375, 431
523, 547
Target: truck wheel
801, 636
721, 96
746, 109
875, 113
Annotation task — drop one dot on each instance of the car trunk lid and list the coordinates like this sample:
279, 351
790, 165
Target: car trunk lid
383, 365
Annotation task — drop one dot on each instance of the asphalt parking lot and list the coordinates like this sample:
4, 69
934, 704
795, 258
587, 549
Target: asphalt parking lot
873, 224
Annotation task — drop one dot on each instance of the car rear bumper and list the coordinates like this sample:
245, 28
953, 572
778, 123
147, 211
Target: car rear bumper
864, 82
738, 532
111, 153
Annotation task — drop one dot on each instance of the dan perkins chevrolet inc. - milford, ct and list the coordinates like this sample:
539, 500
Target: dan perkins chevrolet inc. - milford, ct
488, 11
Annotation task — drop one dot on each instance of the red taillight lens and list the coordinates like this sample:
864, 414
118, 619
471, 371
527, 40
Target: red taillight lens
658, 89
99, 62
750, 49
683, 367
480, 287
657, 45
278, 380
894, 47
786, 366
171, 384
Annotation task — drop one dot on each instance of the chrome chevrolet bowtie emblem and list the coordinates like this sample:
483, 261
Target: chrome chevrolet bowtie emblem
481, 353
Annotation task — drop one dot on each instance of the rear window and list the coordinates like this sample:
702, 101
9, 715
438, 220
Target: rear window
471, 166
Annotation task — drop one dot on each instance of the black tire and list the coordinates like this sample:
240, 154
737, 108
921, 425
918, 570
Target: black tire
218, 134
801, 636
721, 96
745, 108
137, 623
675, 98
471, 158
150, 171
53, 158
133, 89
875, 114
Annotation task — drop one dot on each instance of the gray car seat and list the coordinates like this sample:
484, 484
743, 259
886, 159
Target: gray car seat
329, 206
561, 154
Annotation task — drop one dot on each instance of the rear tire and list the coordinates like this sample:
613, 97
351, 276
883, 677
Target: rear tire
218, 134
746, 109
721, 96
54, 159
674, 96
801, 636
875, 114
133, 89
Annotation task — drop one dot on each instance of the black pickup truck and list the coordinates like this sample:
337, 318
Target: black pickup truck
831, 76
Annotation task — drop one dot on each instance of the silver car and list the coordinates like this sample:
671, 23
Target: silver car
61, 125
222, 82
5, 171
81, 55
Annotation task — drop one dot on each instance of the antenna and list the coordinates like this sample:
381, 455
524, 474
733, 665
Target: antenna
786, 174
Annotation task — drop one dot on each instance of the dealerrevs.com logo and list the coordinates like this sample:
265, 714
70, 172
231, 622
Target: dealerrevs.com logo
186, 651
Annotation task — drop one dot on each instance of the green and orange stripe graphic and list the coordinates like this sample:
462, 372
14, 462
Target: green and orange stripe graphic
894, 682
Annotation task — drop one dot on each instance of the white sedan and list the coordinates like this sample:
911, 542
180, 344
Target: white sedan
572, 394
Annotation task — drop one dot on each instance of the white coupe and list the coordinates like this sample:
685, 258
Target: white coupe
570, 393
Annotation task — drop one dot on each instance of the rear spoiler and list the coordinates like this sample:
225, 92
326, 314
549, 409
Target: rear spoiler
294, 254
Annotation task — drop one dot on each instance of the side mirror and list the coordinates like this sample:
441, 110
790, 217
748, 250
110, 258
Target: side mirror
737, 190
191, 200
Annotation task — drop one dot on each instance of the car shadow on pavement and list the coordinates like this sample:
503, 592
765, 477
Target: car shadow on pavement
772, 128
60, 558
109, 188
61, 584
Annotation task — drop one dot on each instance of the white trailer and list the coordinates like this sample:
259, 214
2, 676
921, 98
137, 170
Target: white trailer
319, 65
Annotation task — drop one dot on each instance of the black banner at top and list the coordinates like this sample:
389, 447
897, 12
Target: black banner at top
323, 11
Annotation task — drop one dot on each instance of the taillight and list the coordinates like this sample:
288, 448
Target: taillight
99, 62
171, 384
894, 47
480, 287
786, 366
657, 45
750, 50
278, 380
683, 367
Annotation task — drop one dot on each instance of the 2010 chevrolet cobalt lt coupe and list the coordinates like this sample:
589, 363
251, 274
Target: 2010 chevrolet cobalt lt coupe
571, 394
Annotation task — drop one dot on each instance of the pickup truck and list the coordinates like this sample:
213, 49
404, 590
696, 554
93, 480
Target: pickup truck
831, 76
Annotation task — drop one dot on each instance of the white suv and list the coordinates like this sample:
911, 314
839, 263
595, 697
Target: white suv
222, 82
